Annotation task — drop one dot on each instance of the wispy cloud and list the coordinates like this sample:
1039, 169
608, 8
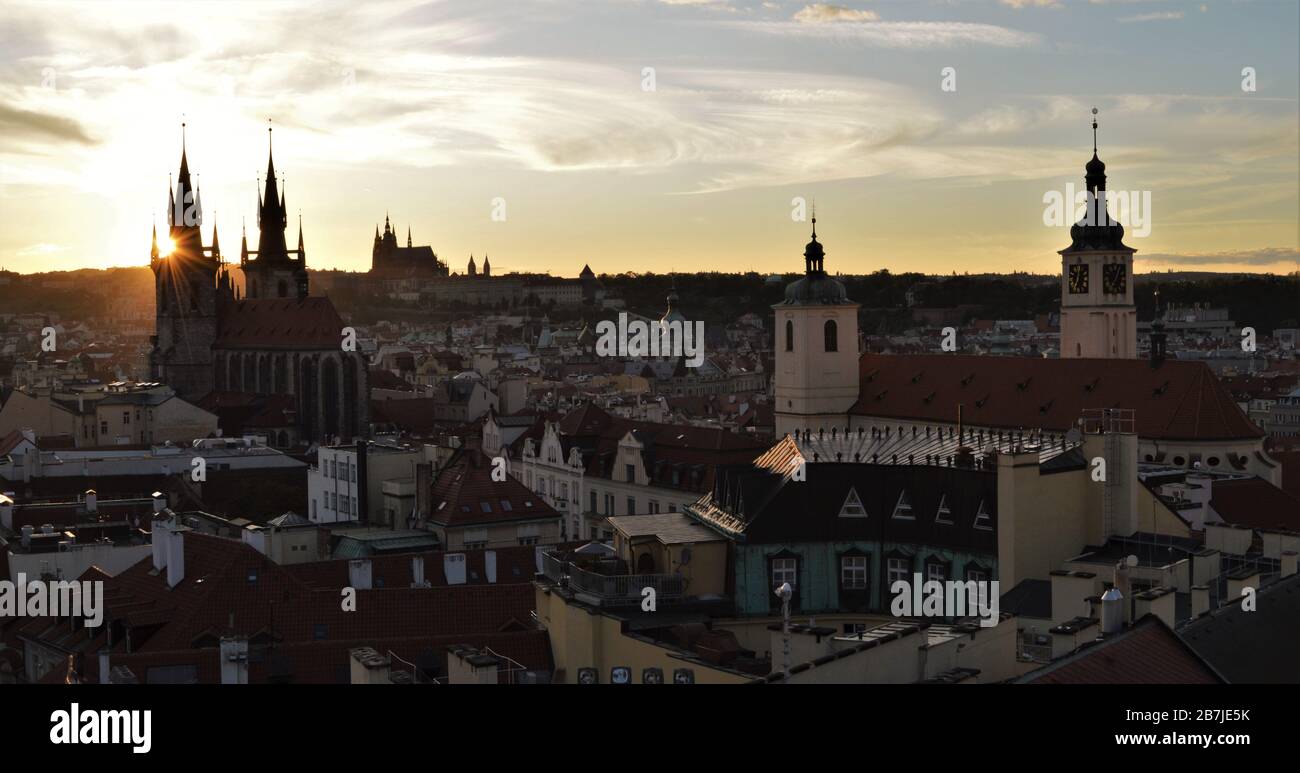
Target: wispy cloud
1158, 16
898, 34
818, 13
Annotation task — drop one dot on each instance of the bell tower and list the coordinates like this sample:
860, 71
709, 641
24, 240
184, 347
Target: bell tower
1098, 315
816, 348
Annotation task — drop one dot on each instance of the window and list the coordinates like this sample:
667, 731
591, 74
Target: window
785, 570
852, 629
936, 571
789, 335
852, 507
352, 468
853, 572
609, 504
505, 505
903, 507
654, 507
593, 501
126, 417
976, 574
631, 473
983, 520
672, 508
631, 505
832, 335
485, 506
943, 514
103, 427
898, 569
475, 545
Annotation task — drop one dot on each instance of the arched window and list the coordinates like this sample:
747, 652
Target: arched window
832, 336
789, 335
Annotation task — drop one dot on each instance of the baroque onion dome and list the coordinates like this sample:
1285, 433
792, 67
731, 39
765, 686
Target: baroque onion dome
1098, 230
815, 287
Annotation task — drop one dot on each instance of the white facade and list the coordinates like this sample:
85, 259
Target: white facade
815, 384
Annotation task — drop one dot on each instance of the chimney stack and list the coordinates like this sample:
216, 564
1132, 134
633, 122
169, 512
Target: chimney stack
7, 510
160, 531
176, 555
92, 501
234, 660
159, 502
1112, 611
417, 572
359, 574
1200, 600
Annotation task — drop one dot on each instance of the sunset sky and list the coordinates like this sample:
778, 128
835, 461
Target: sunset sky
429, 111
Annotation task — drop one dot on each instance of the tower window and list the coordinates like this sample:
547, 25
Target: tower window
789, 335
832, 336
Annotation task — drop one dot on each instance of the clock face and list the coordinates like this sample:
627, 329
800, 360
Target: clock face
1079, 278
1114, 278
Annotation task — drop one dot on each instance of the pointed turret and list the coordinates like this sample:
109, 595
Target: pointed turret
272, 220
216, 247
153, 252
302, 251
408, 237
243, 244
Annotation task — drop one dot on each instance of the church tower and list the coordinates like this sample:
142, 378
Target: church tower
1098, 315
273, 270
816, 348
185, 284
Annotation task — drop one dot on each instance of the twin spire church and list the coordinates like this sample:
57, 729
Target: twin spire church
275, 348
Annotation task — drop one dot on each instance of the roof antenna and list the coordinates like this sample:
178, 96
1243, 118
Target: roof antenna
1094, 131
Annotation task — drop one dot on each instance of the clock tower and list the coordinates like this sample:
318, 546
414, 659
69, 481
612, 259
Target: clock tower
1098, 316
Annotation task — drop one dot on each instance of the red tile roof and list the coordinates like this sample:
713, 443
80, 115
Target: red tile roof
1175, 401
464, 494
1147, 653
1255, 503
281, 323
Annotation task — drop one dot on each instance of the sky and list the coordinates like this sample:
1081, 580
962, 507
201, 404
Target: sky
656, 135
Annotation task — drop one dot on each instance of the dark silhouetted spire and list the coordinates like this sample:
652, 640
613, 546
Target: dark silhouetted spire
153, 252
272, 219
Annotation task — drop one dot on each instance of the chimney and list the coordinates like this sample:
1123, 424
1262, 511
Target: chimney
1124, 587
417, 572
1112, 611
466, 665
234, 660
92, 501
176, 555
7, 510
359, 573
159, 502
369, 667
160, 531
1288, 563
104, 666
1200, 600
27, 535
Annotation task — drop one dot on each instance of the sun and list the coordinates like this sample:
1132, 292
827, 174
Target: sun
166, 246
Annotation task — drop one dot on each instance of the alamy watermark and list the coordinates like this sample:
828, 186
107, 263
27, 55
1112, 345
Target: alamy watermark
952, 599
637, 338
53, 598
1080, 206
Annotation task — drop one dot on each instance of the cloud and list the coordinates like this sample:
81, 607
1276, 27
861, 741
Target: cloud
824, 12
1032, 3
1159, 16
898, 34
1266, 256
20, 123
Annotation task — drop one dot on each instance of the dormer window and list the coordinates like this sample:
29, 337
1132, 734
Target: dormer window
983, 520
903, 507
943, 514
852, 507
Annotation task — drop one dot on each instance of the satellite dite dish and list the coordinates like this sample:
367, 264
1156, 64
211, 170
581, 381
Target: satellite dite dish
652, 676
620, 675
1074, 435
588, 676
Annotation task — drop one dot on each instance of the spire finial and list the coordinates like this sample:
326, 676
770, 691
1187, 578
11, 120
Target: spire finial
814, 219
1094, 131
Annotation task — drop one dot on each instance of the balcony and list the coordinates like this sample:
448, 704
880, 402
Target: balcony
602, 583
